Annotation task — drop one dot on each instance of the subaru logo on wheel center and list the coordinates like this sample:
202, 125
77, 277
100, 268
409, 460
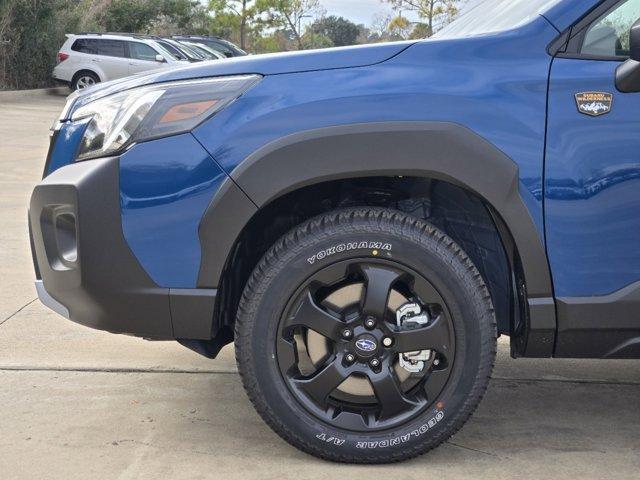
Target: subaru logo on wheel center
366, 344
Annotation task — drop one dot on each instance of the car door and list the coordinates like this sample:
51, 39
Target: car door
592, 188
112, 58
142, 58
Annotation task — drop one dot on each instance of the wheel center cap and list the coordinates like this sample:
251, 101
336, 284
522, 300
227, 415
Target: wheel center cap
366, 345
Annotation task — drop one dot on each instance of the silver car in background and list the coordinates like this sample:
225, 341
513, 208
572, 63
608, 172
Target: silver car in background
89, 58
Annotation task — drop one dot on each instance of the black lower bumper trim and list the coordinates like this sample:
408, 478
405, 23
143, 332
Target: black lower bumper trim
83, 258
192, 312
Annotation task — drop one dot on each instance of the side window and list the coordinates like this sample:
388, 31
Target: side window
98, 46
609, 36
111, 48
142, 51
85, 45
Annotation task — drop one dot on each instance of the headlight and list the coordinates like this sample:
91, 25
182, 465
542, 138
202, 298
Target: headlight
121, 119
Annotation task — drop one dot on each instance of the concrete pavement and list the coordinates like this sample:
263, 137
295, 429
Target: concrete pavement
77, 403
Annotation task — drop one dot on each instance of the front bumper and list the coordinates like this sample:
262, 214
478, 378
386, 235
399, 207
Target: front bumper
87, 271
50, 302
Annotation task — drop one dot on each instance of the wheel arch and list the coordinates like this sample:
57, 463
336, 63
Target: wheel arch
92, 70
440, 151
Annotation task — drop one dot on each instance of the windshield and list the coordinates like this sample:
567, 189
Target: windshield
494, 16
174, 51
163, 50
203, 50
197, 53
227, 48
185, 50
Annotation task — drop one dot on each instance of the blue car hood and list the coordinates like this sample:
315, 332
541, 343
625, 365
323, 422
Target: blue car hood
302, 61
268, 64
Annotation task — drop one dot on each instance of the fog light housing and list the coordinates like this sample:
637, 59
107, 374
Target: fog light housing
60, 236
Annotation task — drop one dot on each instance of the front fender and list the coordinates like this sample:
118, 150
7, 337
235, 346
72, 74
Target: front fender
439, 150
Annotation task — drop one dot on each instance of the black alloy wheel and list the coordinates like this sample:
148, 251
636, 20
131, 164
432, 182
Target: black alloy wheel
365, 335
358, 334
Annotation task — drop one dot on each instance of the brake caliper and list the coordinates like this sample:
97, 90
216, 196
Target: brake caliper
410, 316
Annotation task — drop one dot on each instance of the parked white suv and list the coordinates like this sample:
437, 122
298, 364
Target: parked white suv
86, 59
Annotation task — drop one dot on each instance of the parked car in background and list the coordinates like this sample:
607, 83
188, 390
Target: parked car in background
207, 52
221, 45
179, 51
174, 48
89, 58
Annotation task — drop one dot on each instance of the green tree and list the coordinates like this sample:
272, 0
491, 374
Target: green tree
225, 25
378, 31
339, 30
420, 30
275, 42
129, 15
436, 13
243, 16
289, 14
31, 32
144, 16
312, 40
399, 27
187, 16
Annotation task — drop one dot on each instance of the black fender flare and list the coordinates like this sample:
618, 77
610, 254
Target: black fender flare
440, 150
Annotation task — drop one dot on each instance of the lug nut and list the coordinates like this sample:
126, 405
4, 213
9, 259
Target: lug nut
350, 358
370, 323
387, 341
374, 362
346, 333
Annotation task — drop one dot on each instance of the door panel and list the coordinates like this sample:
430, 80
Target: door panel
142, 58
592, 207
111, 58
113, 67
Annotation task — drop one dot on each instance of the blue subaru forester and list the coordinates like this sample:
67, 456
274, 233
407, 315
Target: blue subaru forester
363, 222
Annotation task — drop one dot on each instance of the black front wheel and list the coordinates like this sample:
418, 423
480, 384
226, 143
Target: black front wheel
365, 335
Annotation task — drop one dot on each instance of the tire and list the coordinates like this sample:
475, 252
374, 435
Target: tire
84, 79
366, 249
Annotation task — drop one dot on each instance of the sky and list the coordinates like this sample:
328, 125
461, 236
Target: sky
358, 11
364, 11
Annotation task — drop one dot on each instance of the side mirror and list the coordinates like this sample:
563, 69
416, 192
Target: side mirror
160, 58
628, 74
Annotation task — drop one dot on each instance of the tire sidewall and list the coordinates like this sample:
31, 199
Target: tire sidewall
430, 256
79, 75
